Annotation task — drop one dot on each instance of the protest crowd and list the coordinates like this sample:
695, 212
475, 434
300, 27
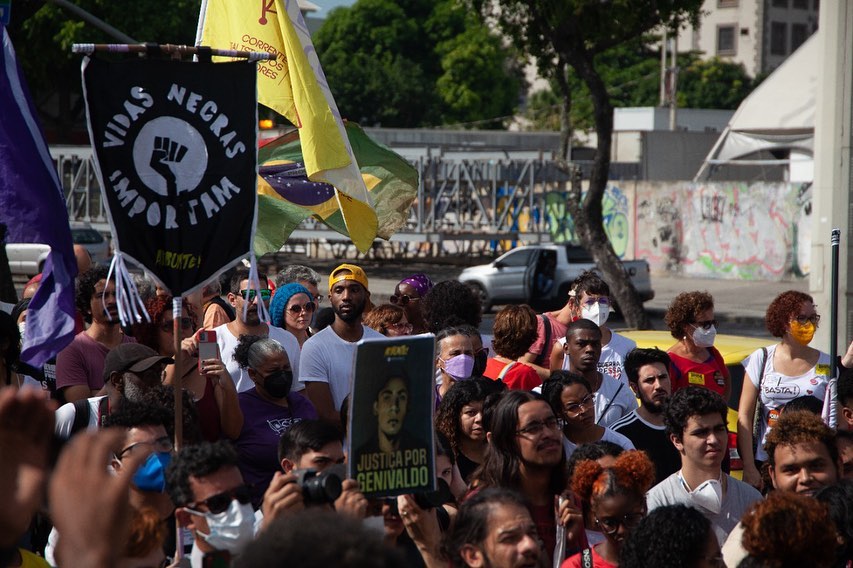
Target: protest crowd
580, 450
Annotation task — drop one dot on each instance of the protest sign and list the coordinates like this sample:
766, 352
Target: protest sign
176, 152
392, 403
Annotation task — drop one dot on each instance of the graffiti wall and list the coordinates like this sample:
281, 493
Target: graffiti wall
756, 231
617, 208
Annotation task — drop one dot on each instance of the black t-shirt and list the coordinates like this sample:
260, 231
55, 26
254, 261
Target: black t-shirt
466, 466
652, 440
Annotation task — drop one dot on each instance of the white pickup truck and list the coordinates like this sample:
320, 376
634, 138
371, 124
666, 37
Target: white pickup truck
541, 275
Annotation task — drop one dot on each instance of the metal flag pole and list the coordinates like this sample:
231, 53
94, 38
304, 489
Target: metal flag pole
167, 49
835, 242
177, 381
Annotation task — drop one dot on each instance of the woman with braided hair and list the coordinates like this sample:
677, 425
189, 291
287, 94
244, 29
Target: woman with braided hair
614, 499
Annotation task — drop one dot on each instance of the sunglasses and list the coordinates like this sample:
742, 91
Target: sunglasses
219, 503
400, 327
706, 325
250, 295
168, 325
297, 309
803, 320
403, 299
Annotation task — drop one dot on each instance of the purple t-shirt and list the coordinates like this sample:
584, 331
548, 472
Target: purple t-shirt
263, 424
82, 362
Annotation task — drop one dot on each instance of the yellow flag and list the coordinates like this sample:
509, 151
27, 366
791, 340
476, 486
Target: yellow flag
294, 85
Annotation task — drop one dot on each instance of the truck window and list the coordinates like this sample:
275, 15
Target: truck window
516, 257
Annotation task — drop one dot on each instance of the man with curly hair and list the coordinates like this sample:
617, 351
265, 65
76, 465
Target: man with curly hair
802, 457
80, 366
695, 421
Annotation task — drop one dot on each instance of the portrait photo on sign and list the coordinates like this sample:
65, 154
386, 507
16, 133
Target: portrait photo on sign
392, 445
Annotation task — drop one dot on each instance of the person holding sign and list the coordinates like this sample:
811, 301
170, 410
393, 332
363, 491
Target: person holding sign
695, 360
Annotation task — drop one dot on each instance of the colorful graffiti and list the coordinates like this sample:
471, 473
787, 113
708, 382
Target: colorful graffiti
725, 230
615, 217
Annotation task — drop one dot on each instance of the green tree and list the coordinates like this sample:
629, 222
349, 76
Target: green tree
563, 34
712, 83
43, 34
416, 62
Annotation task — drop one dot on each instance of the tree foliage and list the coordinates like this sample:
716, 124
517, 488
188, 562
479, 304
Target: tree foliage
416, 62
631, 72
563, 34
43, 34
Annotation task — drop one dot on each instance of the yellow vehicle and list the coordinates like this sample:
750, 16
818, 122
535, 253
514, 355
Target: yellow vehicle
734, 349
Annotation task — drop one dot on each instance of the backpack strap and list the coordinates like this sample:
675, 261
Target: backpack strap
586, 558
611, 401
103, 410
545, 356
81, 415
506, 370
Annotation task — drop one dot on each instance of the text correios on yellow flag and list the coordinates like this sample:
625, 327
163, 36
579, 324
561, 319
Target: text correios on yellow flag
294, 85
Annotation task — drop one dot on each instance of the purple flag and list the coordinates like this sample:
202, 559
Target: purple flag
33, 208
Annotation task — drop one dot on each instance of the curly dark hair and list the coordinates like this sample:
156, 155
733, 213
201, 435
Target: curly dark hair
552, 388
639, 357
796, 427
158, 306
86, 288
298, 538
838, 499
383, 316
674, 536
450, 408
196, 461
514, 331
691, 401
472, 522
684, 309
787, 529
588, 282
134, 414
451, 303
164, 396
783, 307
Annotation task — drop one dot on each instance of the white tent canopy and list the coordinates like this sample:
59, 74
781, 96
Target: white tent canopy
778, 114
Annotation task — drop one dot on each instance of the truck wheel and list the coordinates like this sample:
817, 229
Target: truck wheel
481, 293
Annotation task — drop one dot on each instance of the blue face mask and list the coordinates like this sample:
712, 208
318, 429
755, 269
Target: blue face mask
151, 475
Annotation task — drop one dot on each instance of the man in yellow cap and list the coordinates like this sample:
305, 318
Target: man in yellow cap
326, 363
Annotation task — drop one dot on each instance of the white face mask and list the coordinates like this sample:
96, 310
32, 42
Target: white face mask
704, 337
596, 313
232, 529
709, 495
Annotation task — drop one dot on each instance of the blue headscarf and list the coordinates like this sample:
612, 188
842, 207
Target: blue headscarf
283, 294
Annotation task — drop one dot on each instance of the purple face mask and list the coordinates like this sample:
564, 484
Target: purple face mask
459, 367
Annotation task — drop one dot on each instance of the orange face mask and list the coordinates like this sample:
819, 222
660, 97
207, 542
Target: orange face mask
802, 333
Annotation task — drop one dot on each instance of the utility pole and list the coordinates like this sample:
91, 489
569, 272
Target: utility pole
832, 157
673, 83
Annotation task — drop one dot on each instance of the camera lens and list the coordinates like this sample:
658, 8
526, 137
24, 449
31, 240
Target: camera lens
321, 488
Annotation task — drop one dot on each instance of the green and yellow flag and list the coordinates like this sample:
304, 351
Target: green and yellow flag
294, 85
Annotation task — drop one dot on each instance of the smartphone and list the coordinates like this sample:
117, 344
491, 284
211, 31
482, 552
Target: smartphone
207, 347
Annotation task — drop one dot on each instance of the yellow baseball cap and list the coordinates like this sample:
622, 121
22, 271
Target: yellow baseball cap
355, 273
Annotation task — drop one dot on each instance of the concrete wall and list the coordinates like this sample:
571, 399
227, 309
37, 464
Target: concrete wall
732, 230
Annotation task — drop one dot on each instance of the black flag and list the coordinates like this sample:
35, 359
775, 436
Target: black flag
176, 148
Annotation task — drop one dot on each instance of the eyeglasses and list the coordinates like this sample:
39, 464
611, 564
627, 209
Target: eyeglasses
169, 325
536, 428
803, 320
250, 295
610, 525
401, 327
163, 444
297, 309
403, 299
706, 325
575, 408
220, 502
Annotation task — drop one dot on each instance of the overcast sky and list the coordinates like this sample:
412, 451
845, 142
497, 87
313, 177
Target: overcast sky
327, 6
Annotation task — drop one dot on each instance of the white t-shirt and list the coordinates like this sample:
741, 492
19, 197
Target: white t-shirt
622, 397
326, 358
228, 343
612, 359
778, 389
609, 436
66, 413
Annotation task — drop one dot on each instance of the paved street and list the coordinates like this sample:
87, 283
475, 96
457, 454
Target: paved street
740, 304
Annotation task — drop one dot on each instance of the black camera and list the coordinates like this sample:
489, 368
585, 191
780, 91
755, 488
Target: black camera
427, 500
323, 487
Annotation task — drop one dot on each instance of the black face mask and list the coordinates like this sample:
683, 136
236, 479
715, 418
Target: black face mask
278, 384
480, 361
